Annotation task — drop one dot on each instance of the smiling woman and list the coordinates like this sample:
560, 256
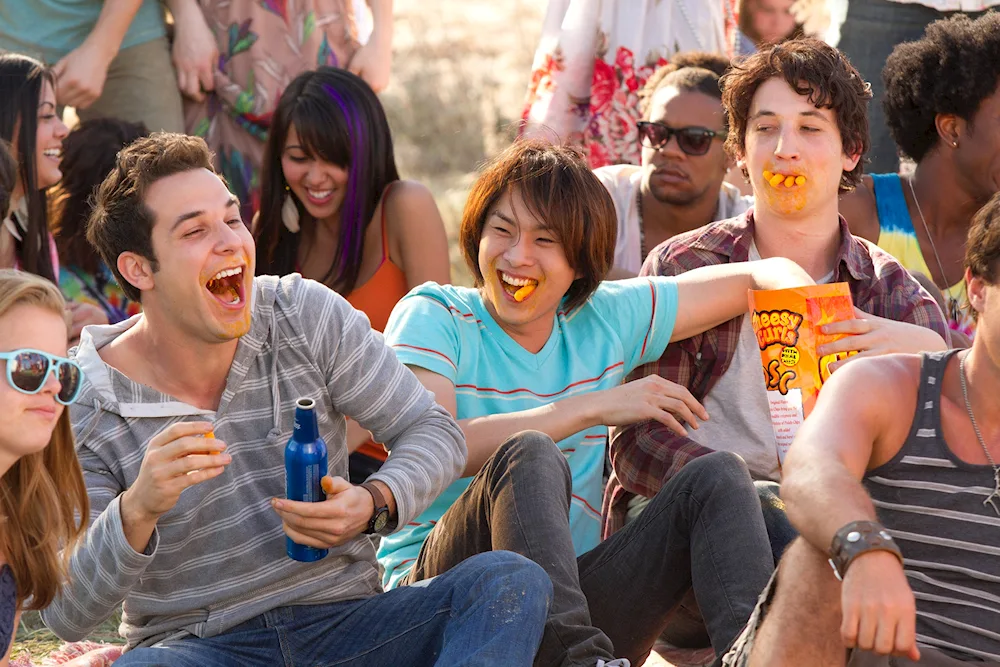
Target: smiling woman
42, 494
28, 122
334, 209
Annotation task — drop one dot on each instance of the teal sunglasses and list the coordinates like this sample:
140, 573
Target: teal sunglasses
28, 370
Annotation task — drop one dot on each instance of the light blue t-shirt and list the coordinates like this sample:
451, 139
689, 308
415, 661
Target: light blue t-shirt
448, 330
49, 29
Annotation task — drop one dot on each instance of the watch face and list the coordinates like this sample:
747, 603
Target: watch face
381, 519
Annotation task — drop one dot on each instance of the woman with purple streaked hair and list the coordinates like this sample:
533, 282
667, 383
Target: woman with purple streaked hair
334, 209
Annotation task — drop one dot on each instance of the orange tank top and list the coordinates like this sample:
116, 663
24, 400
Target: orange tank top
376, 299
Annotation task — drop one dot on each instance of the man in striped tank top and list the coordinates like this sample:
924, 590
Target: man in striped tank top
905, 509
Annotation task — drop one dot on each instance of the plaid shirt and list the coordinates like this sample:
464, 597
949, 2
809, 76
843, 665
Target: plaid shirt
646, 455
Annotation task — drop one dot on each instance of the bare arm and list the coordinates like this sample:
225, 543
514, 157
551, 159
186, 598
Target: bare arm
821, 481
649, 398
417, 240
711, 295
81, 73
194, 51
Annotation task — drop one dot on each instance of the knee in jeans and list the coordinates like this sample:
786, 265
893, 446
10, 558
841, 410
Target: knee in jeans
538, 451
525, 575
725, 467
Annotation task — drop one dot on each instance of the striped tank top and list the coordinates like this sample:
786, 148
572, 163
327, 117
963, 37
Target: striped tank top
932, 504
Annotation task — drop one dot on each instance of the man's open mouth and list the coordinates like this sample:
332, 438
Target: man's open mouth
778, 180
519, 288
227, 286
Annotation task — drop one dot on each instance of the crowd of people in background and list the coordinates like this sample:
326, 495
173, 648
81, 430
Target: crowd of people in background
570, 462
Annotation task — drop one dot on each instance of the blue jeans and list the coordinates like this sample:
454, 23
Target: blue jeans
488, 610
870, 32
703, 530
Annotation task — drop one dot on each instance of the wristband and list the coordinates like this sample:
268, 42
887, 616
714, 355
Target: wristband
856, 538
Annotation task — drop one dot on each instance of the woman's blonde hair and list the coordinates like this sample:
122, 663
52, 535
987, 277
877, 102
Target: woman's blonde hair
43, 500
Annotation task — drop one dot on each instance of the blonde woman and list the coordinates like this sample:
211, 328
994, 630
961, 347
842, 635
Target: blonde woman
42, 494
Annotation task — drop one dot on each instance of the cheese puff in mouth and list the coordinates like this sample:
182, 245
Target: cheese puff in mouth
519, 288
786, 180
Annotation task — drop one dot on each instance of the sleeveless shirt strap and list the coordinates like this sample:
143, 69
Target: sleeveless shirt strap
385, 237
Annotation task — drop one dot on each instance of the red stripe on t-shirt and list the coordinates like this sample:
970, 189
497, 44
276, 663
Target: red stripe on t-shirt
427, 349
506, 392
652, 318
588, 506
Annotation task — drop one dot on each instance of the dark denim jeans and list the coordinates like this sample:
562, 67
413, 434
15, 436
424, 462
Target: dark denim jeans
780, 532
488, 611
870, 32
703, 529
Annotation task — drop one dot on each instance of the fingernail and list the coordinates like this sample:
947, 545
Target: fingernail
276, 504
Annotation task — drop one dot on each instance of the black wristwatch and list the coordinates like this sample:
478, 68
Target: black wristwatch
380, 517
856, 538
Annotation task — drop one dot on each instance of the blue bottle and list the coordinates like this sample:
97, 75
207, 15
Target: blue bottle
305, 466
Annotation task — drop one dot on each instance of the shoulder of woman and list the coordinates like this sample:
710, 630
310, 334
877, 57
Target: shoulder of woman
410, 205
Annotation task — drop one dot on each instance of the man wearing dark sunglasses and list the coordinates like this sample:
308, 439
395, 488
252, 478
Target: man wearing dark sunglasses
680, 185
181, 429
798, 157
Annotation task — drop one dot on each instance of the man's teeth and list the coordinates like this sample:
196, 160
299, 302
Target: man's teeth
521, 282
225, 273
319, 194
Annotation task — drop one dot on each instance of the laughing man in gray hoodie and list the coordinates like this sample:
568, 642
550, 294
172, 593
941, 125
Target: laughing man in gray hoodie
181, 429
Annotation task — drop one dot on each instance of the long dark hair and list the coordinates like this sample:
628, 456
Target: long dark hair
21, 80
338, 119
89, 154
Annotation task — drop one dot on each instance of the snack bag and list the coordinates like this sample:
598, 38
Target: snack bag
787, 323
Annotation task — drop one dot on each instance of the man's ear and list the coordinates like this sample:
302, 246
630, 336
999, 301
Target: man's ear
849, 162
949, 127
975, 289
137, 270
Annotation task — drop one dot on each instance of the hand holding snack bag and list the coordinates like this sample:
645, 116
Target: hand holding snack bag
788, 324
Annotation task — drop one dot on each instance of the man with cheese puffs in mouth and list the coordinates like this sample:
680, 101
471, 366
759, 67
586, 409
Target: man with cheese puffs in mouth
530, 362
798, 128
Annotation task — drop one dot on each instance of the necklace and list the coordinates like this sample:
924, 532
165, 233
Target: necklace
991, 499
952, 302
642, 226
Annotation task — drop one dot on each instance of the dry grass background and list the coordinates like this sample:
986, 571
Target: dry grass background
460, 72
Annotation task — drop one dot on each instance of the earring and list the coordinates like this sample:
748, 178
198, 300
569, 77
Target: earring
954, 144
290, 213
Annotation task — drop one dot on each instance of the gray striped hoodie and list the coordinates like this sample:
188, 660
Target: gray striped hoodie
218, 557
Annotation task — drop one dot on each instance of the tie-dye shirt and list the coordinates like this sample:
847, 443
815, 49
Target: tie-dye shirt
99, 289
898, 238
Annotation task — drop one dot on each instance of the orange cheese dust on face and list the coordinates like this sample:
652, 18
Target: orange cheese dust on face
523, 293
787, 194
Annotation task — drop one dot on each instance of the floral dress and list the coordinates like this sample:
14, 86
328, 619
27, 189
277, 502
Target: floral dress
99, 289
595, 56
263, 45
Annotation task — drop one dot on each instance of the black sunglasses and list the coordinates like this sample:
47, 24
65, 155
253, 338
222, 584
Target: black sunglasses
692, 140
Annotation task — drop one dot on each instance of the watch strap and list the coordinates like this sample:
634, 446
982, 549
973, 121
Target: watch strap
856, 538
381, 506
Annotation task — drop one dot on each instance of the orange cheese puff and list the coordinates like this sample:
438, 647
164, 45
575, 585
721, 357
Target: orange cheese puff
768, 175
776, 180
523, 293
799, 180
211, 434
789, 181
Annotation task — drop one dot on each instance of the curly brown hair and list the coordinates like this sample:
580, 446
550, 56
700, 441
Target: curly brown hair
558, 187
121, 221
812, 68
